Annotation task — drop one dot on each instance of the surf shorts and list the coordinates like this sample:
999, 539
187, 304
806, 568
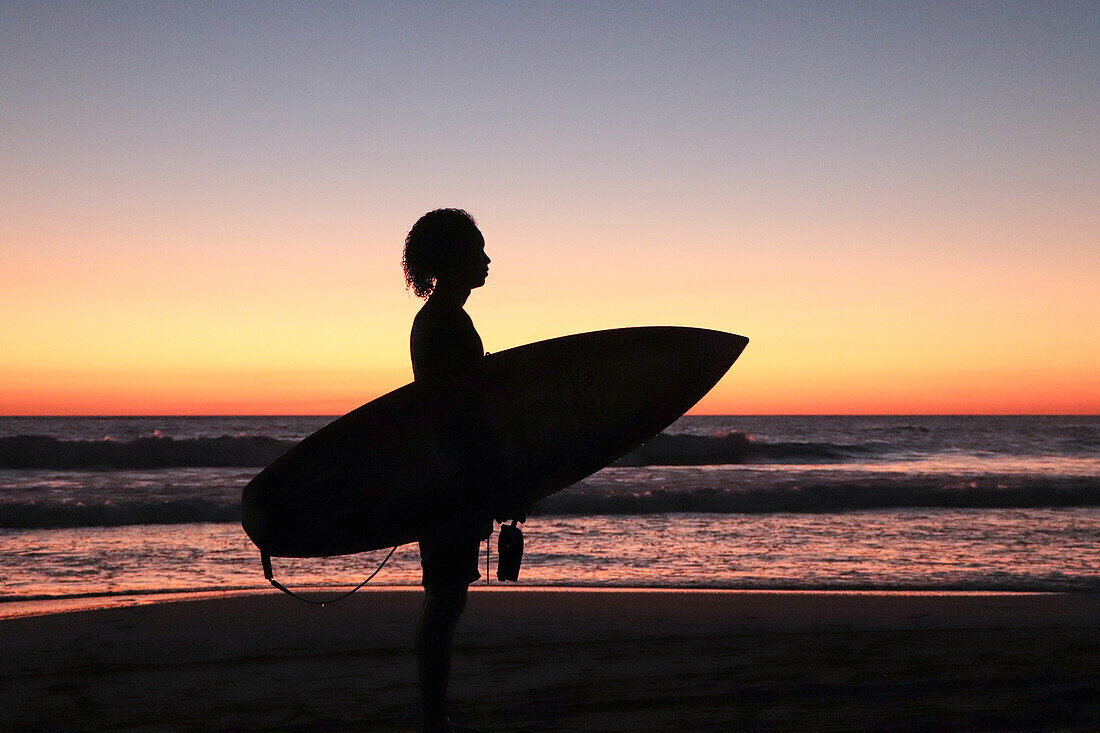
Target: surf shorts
450, 559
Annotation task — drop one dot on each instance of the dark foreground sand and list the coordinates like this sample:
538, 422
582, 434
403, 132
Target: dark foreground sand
535, 660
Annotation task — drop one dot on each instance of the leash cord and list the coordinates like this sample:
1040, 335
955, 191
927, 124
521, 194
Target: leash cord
267, 572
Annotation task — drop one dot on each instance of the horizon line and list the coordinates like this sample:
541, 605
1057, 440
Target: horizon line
690, 414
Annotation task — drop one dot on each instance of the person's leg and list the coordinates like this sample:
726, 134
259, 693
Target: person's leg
434, 636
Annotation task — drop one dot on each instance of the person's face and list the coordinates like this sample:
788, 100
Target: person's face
472, 266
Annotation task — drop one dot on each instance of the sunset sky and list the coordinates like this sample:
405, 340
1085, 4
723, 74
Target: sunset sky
202, 205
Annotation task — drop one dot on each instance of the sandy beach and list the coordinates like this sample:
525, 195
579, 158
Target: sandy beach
567, 660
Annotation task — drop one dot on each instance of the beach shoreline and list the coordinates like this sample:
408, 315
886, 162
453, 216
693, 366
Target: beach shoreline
11, 608
567, 659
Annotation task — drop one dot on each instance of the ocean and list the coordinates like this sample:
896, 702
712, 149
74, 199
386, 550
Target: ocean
101, 506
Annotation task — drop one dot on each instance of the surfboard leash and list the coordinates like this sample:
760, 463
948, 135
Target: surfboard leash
265, 560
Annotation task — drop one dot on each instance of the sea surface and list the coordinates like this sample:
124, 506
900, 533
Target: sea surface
118, 505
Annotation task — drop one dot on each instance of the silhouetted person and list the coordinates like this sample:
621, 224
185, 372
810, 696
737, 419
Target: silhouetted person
444, 261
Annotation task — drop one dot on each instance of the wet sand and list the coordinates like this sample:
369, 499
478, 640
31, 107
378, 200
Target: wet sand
558, 660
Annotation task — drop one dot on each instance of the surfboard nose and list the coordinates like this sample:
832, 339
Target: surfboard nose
672, 367
717, 349
731, 345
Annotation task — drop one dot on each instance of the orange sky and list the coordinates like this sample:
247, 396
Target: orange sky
202, 211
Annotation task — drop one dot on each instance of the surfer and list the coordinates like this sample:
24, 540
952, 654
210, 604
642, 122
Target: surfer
444, 261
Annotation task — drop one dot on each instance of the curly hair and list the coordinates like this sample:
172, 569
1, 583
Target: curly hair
431, 245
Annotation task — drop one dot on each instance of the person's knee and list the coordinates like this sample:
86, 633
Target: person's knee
446, 602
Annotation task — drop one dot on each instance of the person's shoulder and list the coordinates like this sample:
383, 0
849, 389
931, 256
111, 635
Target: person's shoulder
433, 316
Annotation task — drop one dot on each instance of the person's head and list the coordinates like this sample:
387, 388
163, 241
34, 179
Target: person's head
444, 245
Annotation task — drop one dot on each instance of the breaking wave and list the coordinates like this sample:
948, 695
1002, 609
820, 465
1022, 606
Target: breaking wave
40, 451
833, 496
43, 452
819, 497
738, 447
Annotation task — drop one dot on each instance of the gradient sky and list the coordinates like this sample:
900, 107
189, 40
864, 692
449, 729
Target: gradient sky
202, 205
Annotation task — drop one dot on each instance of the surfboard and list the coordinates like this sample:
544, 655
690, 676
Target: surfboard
547, 415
